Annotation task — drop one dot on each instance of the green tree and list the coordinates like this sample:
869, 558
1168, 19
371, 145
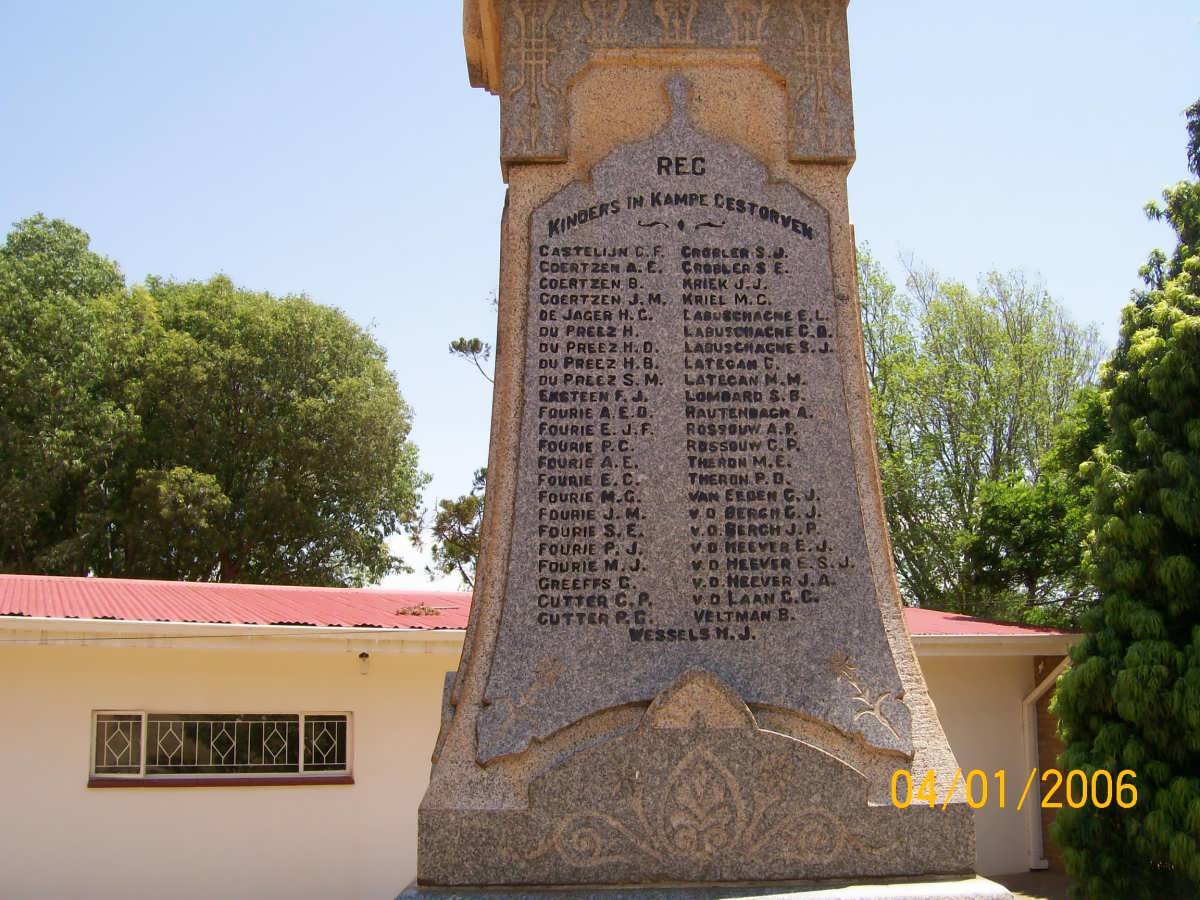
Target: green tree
1023, 555
968, 387
456, 531
71, 338
474, 351
1131, 700
275, 445
192, 431
1026, 545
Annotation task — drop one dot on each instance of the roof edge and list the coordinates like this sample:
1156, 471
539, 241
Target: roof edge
1048, 644
58, 631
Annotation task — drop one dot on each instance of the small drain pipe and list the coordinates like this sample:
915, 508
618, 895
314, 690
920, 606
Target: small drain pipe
1033, 807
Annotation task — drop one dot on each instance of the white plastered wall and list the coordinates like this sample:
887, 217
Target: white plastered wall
978, 700
58, 838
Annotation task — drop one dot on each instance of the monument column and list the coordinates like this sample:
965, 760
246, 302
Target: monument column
686, 661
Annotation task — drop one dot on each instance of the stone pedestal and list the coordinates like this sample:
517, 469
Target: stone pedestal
975, 888
686, 661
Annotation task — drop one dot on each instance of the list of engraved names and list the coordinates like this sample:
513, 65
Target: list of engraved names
755, 552
686, 493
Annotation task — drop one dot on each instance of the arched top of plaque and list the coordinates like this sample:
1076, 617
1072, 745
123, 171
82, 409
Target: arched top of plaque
686, 495
526, 51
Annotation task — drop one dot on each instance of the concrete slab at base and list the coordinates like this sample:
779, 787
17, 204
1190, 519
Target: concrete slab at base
943, 889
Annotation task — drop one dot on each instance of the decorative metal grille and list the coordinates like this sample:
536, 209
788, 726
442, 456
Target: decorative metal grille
156, 744
118, 745
324, 743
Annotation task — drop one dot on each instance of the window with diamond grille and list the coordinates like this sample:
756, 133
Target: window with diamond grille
146, 744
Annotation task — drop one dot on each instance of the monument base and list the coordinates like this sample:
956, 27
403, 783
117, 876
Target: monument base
699, 794
953, 888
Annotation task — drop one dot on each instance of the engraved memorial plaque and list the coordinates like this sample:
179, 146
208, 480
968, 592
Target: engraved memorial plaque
686, 494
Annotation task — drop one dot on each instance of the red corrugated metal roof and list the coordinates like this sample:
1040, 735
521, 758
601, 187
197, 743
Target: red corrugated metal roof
240, 604
931, 622
57, 597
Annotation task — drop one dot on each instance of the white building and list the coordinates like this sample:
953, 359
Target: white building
190, 740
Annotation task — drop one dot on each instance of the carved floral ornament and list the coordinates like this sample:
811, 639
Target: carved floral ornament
704, 811
698, 782
676, 18
605, 17
866, 703
528, 50
747, 21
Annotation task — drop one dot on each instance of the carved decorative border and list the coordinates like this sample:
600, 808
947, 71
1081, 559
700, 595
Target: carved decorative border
528, 50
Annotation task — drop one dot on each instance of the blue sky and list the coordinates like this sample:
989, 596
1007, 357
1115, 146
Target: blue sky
336, 149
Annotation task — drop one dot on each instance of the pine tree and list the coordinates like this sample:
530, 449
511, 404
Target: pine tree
1131, 701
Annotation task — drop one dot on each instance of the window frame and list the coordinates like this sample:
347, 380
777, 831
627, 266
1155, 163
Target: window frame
217, 779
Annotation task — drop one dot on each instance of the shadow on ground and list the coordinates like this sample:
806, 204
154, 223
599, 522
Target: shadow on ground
1036, 885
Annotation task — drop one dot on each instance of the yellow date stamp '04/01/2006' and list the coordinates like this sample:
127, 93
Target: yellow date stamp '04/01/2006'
1075, 789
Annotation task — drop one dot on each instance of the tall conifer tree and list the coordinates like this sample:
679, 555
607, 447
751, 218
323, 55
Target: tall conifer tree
1131, 701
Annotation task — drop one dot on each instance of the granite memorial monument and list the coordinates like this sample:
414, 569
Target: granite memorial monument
686, 661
